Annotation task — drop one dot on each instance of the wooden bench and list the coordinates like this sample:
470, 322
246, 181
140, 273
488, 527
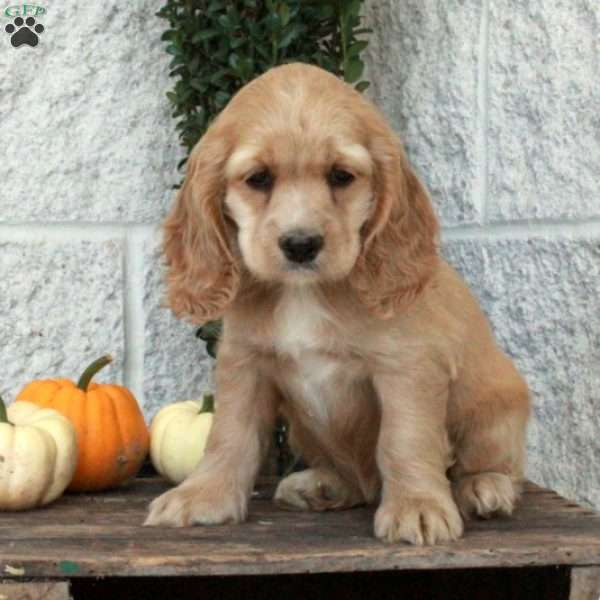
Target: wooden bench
93, 546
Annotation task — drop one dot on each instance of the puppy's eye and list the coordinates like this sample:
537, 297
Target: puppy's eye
262, 181
339, 178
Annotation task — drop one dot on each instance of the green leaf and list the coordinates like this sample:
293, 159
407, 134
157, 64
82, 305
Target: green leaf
356, 48
200, 117
273, 23
327, 11
247, 69
264, 52
353, 69
328, 63
168, 35
253, 29
237, 42
216, 5
211, 348
288, 37
194, 64
351, 8
201, 86
217, 77
210, 330
185, 95
222, 98
361, 86
224, 22
284, 14
223, 50
234, 16
203, 36
210, 334
234, 62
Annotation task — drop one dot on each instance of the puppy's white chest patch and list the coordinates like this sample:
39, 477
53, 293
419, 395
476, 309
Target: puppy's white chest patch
300, 333
299, 322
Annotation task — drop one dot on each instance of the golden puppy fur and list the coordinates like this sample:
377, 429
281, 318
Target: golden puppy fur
375, 351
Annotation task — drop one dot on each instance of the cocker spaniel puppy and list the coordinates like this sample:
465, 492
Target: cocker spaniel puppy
302, 224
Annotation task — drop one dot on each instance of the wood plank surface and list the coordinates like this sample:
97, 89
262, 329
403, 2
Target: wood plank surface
101, 535
585, 583
43, 590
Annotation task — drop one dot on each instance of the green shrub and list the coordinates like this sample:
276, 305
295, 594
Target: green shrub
219, 45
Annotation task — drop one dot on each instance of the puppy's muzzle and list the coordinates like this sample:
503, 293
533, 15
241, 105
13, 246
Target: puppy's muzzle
301, 246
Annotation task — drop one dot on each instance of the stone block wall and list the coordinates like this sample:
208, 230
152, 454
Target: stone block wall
497, 103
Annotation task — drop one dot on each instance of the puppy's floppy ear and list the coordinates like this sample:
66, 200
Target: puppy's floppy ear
203, 274
399, 248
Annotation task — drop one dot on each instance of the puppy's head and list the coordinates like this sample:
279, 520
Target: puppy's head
299, 181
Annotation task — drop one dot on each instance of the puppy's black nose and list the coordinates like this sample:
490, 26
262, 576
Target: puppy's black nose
300, 246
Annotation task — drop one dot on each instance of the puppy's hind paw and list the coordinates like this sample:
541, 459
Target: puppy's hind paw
315, 489
485, 495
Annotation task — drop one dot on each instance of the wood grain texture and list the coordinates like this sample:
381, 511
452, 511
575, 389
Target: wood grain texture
585, 583
43, 590
101, 535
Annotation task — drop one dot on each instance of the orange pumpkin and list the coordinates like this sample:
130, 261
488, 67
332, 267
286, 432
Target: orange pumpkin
112, 435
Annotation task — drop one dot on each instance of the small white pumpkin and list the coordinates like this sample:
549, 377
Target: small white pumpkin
38, 455
178, 435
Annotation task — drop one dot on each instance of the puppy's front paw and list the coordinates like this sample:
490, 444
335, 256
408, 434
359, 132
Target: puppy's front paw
197, 503
418, 521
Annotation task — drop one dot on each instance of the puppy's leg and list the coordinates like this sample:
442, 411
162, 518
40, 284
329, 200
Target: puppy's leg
319, 488
219, 489
490, 450
413, 454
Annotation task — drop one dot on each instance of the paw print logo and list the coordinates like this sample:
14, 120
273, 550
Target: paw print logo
24, 32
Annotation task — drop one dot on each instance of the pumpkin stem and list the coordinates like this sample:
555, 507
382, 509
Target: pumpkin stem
208, 403
89, 373
3, 415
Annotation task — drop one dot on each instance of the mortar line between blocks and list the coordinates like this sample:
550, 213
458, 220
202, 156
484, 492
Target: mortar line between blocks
71, 231
133, 317
525, 230
481, 185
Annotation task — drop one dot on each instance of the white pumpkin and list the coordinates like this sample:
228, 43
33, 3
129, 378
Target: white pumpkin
178, 435
38, 455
